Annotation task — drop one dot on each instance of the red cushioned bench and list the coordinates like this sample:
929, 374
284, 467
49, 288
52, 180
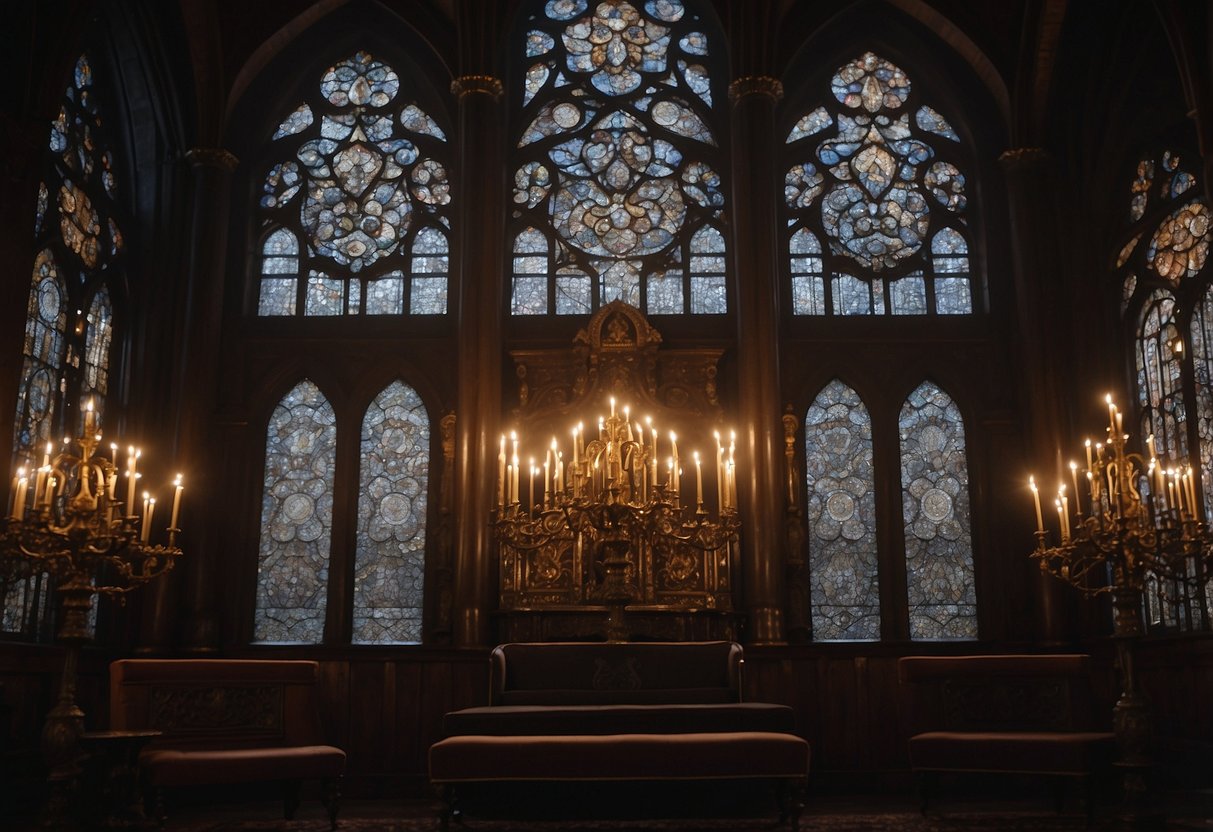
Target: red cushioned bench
227, 721
1010, 714
647, 713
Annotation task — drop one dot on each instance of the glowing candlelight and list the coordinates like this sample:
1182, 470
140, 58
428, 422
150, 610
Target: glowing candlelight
1040, 523
698, 481
177, 489
1074, 477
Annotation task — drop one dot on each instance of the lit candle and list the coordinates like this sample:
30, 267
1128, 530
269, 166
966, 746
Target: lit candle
576, 454
675, 479
1074, 476
534, 470
40, 495
732, 496
147, 520
1087, 443
1191, 484
90, 418
1150, 446
131, 476
514, 481
547, 477
1065, 509
501, 474
627, 417
559, 472
1061, 519
19, 498
612, 407
177, 489
1040, 523
719, 472
698, 481
1111, 414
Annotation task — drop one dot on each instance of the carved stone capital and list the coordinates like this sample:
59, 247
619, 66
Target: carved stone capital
486, 84
1023, 157
755, 85
212, 157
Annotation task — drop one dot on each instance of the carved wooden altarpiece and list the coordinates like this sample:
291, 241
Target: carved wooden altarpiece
554, 590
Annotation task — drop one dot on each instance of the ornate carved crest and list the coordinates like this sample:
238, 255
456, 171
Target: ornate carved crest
617, 354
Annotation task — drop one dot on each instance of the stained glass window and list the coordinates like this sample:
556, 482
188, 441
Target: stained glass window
617, 174
877, 178
1159, 383
935, 506
1202, 366
389, 569
358, 199
296, 518
68, 329
844, 586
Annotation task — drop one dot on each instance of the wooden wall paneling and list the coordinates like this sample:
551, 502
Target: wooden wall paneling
887, 741
368, 742
413, 688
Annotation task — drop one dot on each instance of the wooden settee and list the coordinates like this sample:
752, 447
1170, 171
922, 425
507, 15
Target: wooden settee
644, 713
1003, 714
227, 721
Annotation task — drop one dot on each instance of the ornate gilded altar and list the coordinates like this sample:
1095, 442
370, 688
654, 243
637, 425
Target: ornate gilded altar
618, 541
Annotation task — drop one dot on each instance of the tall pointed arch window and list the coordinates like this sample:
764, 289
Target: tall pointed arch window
80, 248
935, 503
389, 568
296, 518
355, 204
66, 349
1165, 282
843, 569
875, 200
617, 169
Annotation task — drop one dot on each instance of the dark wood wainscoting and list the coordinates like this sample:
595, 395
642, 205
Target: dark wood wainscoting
385, 705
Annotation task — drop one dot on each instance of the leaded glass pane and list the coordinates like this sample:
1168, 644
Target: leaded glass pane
852, 296
428, 296
808, 295
935, 505
277, 297
1159, 369
44, 345
296, 519
621, 172
530, 296
708, 296
389, 562
1180, 245
843, 572
325, 296
953, 296
385, 296
908, 295
354, 182
665, 293
573, 294
1202, 366
97, 349
1140, 189
876, 191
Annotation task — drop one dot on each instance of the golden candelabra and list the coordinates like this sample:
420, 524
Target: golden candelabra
612, 504
76, 530
1143, 532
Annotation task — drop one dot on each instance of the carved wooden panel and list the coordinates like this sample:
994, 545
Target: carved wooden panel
209, 709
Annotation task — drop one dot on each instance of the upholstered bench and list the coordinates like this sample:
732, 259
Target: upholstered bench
1012, 714
227, 721
640, 713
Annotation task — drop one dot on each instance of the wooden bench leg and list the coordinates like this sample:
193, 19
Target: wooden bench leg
290, 798
330, 796
925, 782
790, 794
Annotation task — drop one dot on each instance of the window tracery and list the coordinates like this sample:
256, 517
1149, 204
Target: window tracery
617, 171
360, 208
885, 193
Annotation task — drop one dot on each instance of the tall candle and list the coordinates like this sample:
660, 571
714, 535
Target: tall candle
177, 489
1111, 414
1074, 476
532, 480
19, 499
675, 478
547, 477
147, 518
698, 481
1087, 443
130, 481
1040, 523
90, 419
612, 407
501, 474
576, 454
1061, 520
559, 472
514, 483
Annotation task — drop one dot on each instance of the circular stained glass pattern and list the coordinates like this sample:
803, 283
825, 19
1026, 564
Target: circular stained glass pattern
298, 507
936, 505
841, 506
395, 509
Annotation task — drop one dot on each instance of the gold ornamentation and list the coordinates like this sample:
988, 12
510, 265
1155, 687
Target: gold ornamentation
212, 157
755, 85
469, 84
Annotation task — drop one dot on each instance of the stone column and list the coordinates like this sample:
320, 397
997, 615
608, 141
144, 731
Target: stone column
1040, 310
197, 317
480, 349
756, 269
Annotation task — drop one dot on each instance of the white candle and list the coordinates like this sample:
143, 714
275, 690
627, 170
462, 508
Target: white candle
147, 520
675, 480
1040, 523
1061, 520
547, 477
501, 474
532, 482
698, 481
1074, 477
559, 472
90, 419
514, 481
19, 499
177, 489
130, 480
576, 455
1111, 413
612, 407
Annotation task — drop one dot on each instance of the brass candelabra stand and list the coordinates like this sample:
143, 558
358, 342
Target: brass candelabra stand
90, 544
612, 506
1143, 532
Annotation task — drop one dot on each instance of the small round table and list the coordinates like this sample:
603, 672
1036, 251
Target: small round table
113, 797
